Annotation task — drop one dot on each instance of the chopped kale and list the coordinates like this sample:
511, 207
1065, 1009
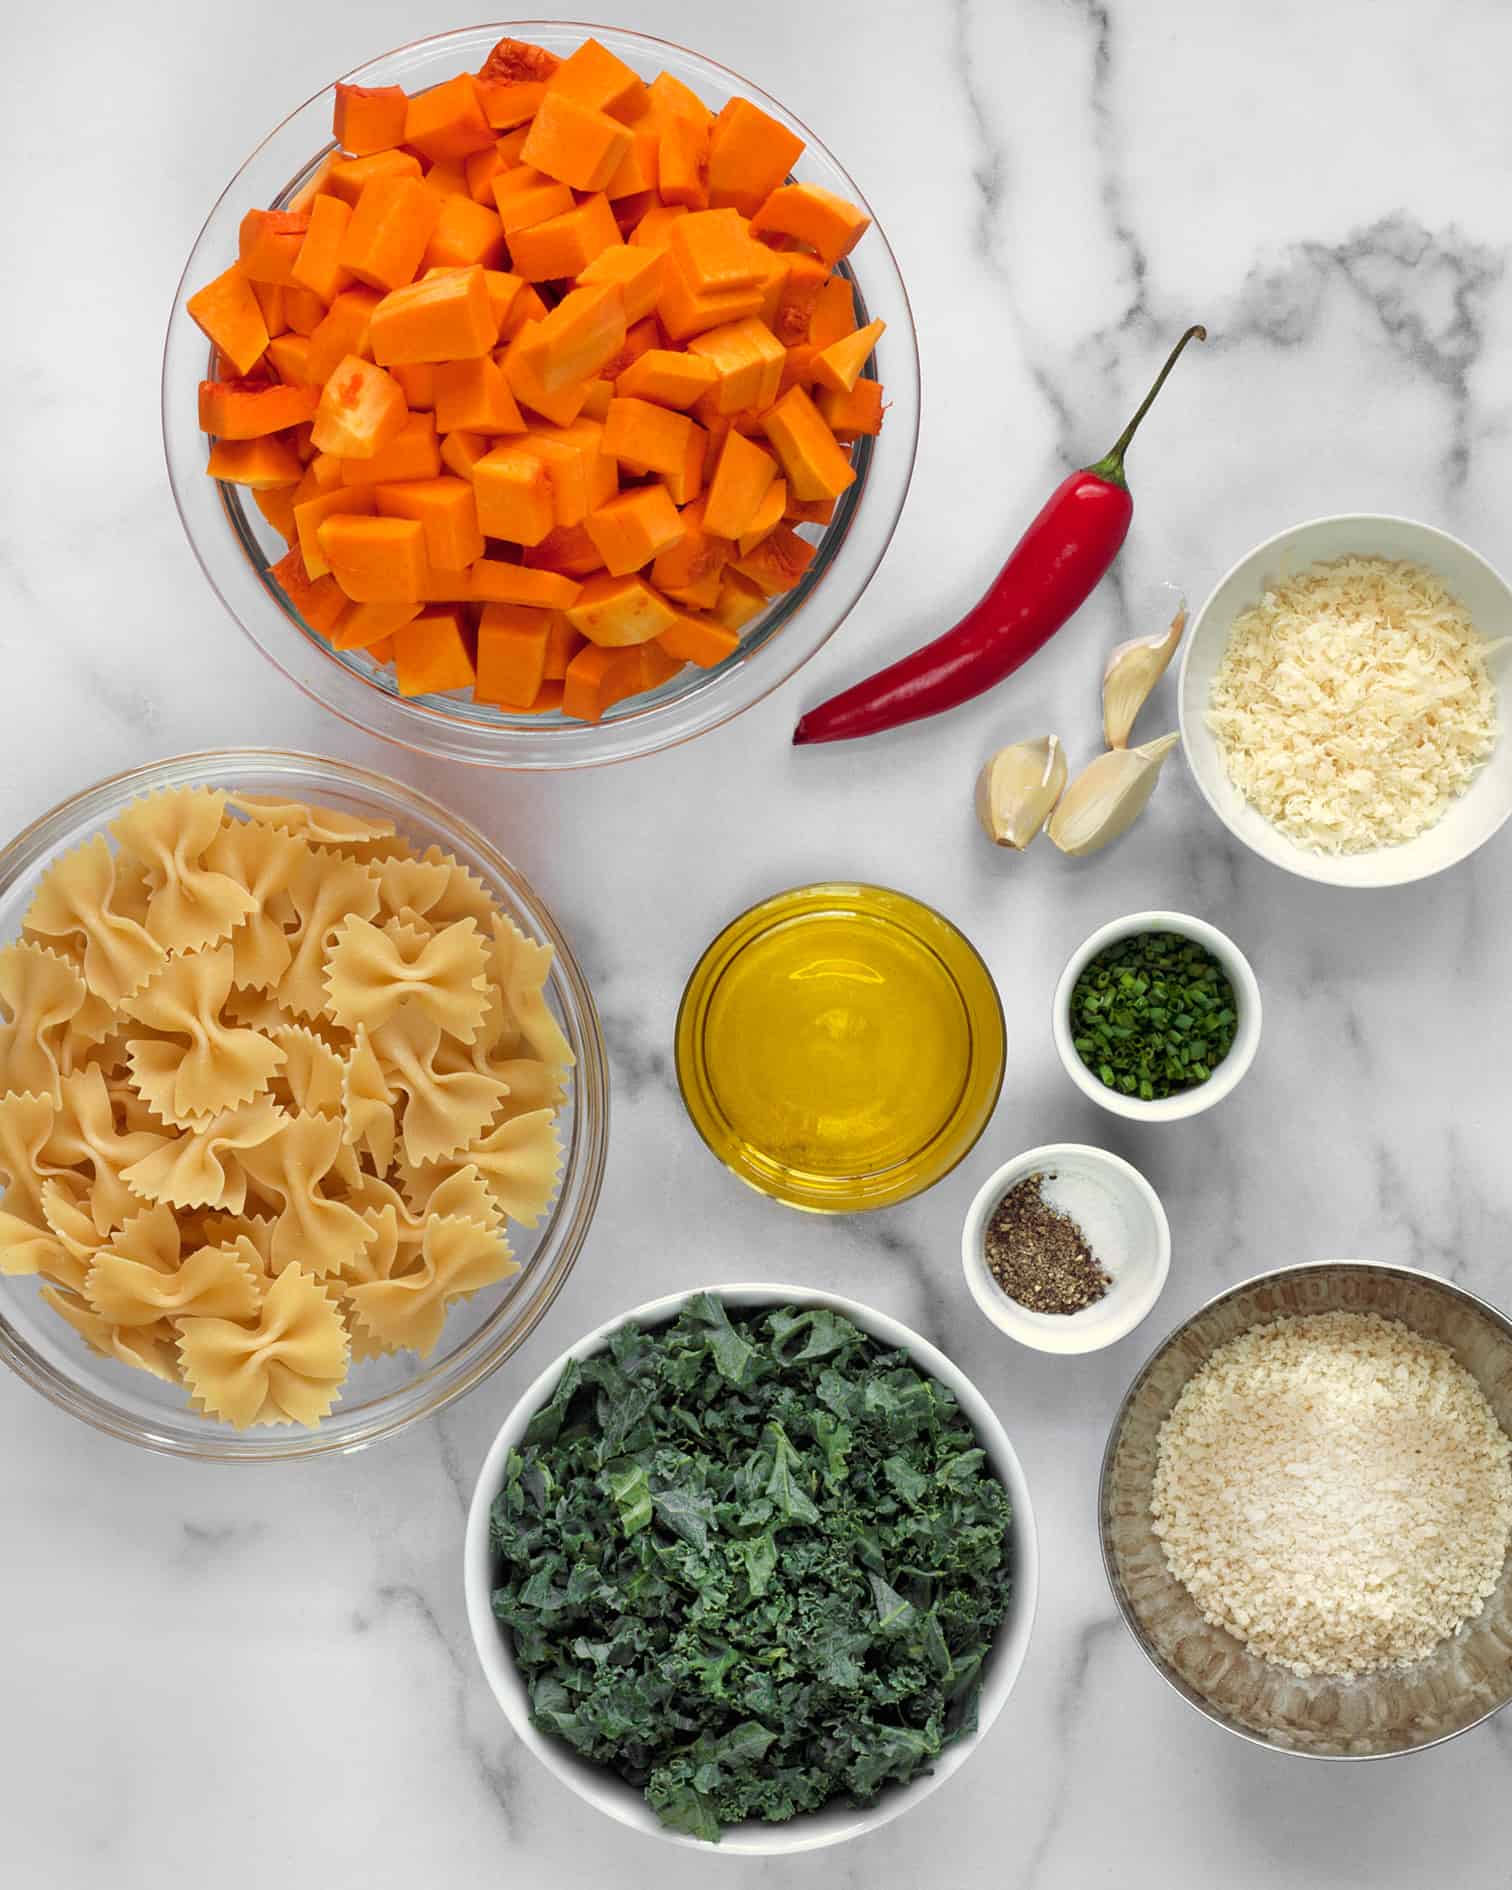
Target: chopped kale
752, 1562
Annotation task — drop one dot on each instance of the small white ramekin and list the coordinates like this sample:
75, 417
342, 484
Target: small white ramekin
1131, 1237
1190, 1102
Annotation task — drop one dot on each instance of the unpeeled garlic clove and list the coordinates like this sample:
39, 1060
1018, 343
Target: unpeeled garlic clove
1133, 670
1108, 796
1017, 789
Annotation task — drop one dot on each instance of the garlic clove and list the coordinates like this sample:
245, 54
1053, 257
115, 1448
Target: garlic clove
1107, 797
1133, 670
1017, 789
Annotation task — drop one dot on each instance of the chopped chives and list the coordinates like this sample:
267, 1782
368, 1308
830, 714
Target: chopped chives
1153, 1015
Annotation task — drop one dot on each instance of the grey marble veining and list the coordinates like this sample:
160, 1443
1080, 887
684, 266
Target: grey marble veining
246, 1679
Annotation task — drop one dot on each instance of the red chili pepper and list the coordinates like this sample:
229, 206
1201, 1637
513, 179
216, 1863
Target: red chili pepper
1049, 574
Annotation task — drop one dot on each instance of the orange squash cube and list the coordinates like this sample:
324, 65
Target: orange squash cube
742, 473
632, 529
369, 118
481, 168
511, 654
636, 176
311, 513
347, 178
366, 625
361, 409
804, 277
411, 454
303, 309
596, 400
275, 502
769, 515
778, 563
583, 332
319, 601
509, 104
461, 451
689, 571
808, 511
227, 313
668, 98
714, 251
474, 397
750, 154
838, 367
270, 299
699, 640
669, 378
448, 511
596, 77
564, 245
445, 317
566, 549
560, 405
575, 143
245, 410
418, 379
597, 678
513, 493
263, 463
582, 475
834, 313
682, 163
447, 178
386, 238
849, 416
465, 233
447, 122
654, 228
639, 434
512, 80
618, 611
374, 560
634, 271
562, 644
738, 602
524, 197
808, 214
495, 582
747, 358
684, 312
431, 654
685, 481
816, 465
268, 243
317, 267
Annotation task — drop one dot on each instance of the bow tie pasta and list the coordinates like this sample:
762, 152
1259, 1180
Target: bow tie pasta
273, 1083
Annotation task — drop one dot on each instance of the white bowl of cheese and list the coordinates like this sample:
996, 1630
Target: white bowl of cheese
1300, 759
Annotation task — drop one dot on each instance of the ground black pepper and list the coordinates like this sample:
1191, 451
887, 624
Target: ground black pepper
1040, 1256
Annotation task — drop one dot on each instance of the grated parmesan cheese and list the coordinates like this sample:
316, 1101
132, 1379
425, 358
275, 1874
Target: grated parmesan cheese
1354, 704
1334, 1490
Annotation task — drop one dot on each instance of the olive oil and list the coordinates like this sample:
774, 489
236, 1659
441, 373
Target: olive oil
840, 1046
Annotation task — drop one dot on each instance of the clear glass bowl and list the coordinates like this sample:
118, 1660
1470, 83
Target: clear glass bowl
382, 1395
235, 545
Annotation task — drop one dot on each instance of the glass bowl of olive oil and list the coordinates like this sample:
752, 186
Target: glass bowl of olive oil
840, 1047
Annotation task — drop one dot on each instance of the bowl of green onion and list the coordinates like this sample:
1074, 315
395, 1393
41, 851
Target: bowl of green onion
1157, 1016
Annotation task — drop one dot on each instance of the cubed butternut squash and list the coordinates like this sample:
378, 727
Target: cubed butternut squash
566, 549
575, 143
447, 122
562, 644
448, 511
461, 451
495, 582
584, 331
369, 118
599, 677
262, 463
413, 453
418, 379
447, 317
747, 358
564, 245
802, 280
838, 367
374, 560
245, 410
474, 397
317, 267
682, 163
742, 473
347, 178
685, 311
848, 416
769, 515
390, 227
465, 233
276, 503
636, 272
227, 313
631, 529
814, 462
667, 376
431, 655
361, 409
714, 251
560, 405
689, 571
778, 563
834, 313
513, 493
638, 433
319, 601
524, 197
512, 81
365, 625
809, 214
596, 77
511, 654
699, 640
311, 513
269, 242
617, 611
749, 156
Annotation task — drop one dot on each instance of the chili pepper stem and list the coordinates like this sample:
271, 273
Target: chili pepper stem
1111, 465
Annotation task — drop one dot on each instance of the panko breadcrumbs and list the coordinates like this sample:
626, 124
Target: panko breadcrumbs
1334, 1490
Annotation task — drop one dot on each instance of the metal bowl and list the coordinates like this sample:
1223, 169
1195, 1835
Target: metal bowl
1403, 1709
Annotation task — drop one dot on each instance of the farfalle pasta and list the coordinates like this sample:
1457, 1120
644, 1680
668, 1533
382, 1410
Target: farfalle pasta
273, 1083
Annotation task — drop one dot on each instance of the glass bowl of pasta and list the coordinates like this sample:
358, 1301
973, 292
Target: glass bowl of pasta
238, 547
303, 1106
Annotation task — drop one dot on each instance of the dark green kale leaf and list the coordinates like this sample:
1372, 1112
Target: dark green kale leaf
752, 1562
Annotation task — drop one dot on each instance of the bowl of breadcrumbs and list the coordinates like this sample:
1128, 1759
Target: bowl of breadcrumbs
1306, 1510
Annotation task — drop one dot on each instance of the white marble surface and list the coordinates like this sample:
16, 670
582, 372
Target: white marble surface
258, 1679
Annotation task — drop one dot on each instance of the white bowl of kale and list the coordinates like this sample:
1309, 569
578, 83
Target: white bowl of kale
754, 1565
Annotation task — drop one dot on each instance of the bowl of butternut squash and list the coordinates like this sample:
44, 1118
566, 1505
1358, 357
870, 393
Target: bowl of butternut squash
524, 395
